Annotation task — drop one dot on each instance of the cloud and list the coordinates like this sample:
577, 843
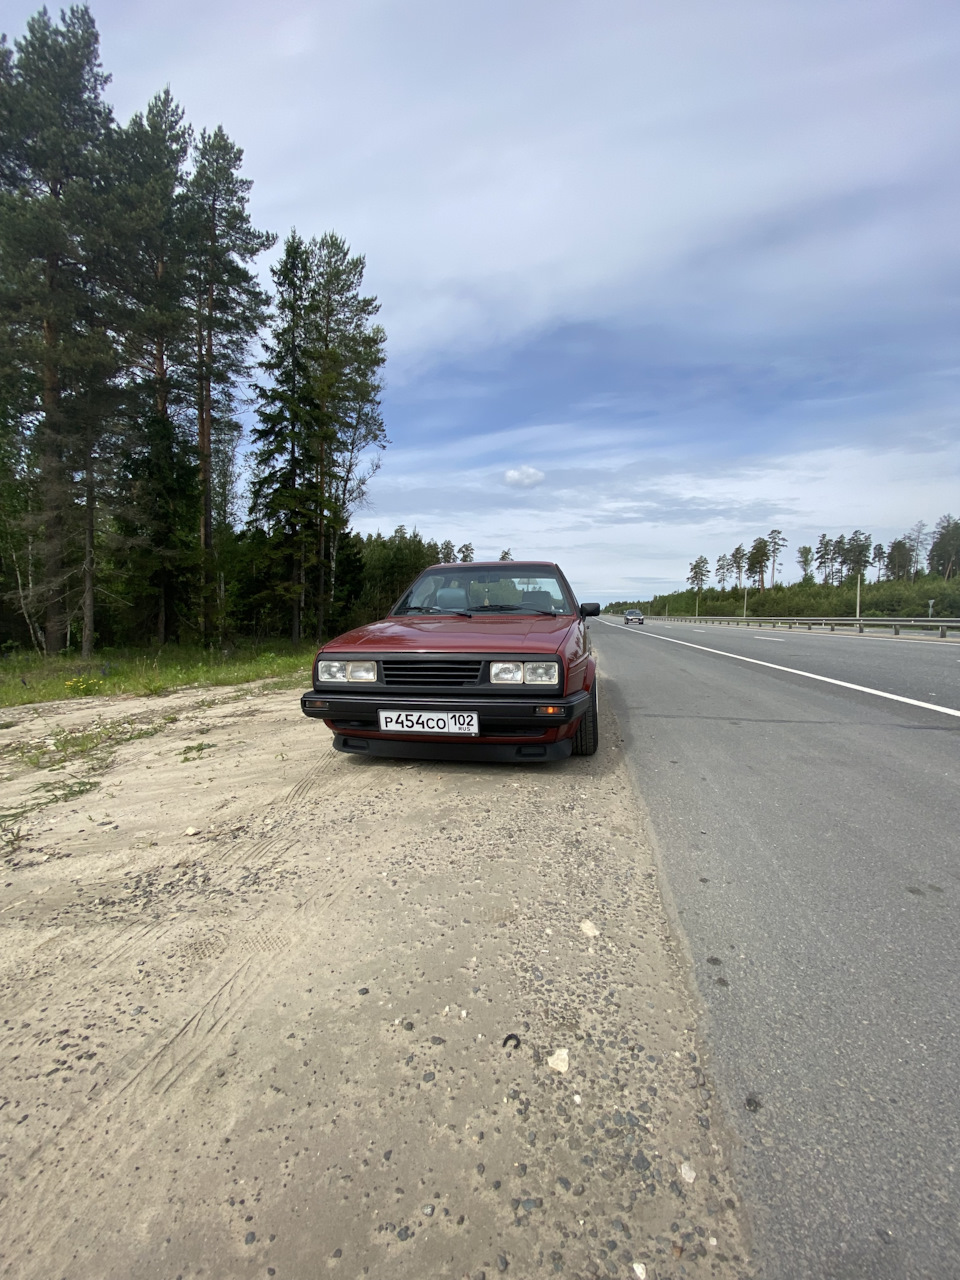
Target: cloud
697, 262
523, 477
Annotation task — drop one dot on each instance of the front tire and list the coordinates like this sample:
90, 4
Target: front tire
587, 736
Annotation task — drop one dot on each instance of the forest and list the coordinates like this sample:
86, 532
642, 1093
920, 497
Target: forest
181, 451
916, 575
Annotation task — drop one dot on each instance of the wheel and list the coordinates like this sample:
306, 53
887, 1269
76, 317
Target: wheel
587, 735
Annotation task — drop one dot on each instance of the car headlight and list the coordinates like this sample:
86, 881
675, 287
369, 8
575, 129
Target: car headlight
506, 673
524, 672
541, 672
341, 671
331, 671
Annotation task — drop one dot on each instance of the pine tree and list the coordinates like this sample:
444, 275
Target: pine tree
738, 559
757, 561
55, 287
227, 309
350, 354
944, 554
320, 427
776, 542
823, 557
158, 508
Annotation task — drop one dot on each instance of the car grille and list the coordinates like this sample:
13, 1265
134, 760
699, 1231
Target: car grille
439, 672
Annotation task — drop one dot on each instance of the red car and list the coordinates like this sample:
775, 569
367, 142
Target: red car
482, 661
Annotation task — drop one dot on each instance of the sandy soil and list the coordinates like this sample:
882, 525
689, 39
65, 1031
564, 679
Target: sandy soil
256, 996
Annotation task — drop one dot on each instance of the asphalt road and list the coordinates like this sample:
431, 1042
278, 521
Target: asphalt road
808, 836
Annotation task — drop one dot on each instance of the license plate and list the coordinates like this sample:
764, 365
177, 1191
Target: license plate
462, 722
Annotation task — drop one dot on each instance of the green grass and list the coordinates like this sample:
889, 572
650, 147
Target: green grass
26, 677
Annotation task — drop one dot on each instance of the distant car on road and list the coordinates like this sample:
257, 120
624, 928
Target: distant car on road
633, 615
482, 661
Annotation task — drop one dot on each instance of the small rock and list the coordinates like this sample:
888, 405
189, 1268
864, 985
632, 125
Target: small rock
192, 831
640, 1270
502, 1262
250, 1237
404, 1233
364, 991
687, 1173
429, 1210
428, 1076
408, 1026
559, 1060
589, 928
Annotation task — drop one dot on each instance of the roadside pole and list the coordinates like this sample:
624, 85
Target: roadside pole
859, 577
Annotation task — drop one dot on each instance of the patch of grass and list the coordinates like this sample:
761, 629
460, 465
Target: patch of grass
26, 677
95, 744
196, 750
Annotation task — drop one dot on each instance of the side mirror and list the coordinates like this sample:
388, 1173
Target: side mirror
589, 611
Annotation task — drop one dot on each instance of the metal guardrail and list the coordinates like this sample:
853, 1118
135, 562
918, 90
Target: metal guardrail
942, 625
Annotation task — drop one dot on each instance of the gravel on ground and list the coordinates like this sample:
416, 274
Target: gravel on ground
272, 1011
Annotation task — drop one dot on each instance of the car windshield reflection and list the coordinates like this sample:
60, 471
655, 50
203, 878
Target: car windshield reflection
464, 589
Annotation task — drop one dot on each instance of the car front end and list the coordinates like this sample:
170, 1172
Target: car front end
506, 681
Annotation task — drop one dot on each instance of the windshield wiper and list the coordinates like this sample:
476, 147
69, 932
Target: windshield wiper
435, 608
521, 608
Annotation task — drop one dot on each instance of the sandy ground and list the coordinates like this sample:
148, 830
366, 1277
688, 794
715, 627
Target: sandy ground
255, 1001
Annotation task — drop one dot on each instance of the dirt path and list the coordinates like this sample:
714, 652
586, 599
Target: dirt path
256, 995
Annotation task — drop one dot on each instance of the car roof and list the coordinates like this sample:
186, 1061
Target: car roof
493, 564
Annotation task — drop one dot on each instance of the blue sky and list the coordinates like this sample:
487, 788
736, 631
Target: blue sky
656, 277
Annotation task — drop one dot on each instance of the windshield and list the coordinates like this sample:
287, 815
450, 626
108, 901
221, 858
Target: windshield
465, 588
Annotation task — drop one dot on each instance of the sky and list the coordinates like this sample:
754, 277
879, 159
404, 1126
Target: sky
657, 276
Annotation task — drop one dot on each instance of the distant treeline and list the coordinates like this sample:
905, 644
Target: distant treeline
135, 342
912, 570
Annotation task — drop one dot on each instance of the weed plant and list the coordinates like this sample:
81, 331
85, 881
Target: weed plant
27, 677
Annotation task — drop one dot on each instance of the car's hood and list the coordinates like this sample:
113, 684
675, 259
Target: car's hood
483, 633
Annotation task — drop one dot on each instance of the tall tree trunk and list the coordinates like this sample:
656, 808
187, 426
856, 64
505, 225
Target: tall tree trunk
204, 435
89, 525
53, 487
296, 541
321, 549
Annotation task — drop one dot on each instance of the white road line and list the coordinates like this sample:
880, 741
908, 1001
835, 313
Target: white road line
775, 639
810, 675
842, 634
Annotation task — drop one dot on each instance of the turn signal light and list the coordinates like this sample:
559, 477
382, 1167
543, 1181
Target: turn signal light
549, 711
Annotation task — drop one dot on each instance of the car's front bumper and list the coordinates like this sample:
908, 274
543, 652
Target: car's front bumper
453, 748
507, 725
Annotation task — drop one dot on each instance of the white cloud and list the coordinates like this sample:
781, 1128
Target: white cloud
523, 477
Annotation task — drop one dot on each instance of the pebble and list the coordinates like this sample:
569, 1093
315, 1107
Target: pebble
429, 1210
250, 1237
640, 1270
364, 991
192, 831
687, 1173
589, 928
502, 1262
559, 1060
